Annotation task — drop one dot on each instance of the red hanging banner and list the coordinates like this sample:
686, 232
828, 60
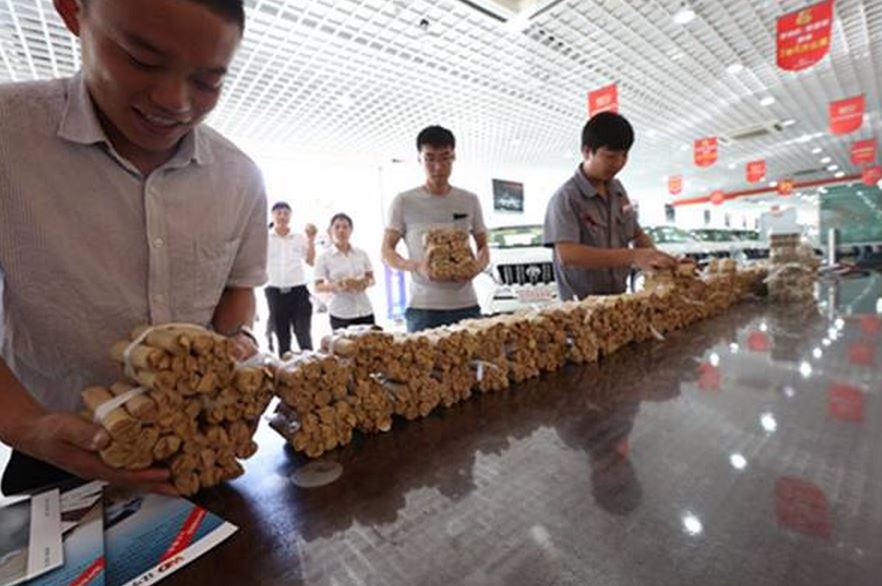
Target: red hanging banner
846, 115
705, 153
717, 197
756, 170
863, 151
872, 175
785, 187
605, 99
804, 36
675, 184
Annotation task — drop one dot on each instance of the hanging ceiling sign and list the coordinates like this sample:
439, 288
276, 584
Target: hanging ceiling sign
717, 197
756, 170
846, 115
785, 187
804, 36
872, 175
675, 184
605, 99
863, 151
705, 153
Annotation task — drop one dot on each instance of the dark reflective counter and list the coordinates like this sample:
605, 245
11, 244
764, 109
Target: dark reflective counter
746, 449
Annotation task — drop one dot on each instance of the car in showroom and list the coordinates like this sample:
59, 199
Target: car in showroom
520, 274
680, 243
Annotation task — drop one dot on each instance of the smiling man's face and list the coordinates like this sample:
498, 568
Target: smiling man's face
154, 68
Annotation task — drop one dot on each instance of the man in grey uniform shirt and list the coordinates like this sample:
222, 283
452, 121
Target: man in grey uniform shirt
435, 204
591, 223
117, 208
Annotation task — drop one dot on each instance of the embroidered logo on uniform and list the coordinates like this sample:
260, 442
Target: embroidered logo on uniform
587, 219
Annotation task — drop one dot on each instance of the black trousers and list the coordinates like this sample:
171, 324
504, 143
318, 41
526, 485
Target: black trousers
26, 474
340, 323
290, 308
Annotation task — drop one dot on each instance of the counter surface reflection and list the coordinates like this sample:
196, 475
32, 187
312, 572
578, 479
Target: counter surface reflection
746, 449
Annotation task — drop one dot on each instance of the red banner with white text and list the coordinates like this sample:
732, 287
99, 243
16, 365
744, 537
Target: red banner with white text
846, 115
804, 36
705, 153
756, 170
605, 99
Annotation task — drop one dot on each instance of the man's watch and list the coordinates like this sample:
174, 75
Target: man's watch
246, 331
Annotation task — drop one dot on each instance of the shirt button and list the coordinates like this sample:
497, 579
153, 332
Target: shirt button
158, 242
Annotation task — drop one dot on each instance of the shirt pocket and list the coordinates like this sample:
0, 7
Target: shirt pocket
214, 260
593, 229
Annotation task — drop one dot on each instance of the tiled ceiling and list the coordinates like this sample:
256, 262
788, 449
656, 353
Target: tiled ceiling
361, 77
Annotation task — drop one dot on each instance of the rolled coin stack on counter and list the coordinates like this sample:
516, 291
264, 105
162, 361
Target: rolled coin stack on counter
793, 269
489, 361
315, 414
448, 254
184, 404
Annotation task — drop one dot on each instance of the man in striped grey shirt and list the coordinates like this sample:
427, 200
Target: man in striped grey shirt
117, 207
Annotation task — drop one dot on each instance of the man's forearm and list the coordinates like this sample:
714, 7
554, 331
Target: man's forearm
643, 240
398, 262
19, 407
589, 257
310, 253
235, 308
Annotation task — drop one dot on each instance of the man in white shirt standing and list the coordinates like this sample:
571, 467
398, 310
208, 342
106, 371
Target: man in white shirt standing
435, 204
286, 291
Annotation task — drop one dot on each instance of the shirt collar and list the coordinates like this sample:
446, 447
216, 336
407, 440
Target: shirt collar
588, 190
80, 124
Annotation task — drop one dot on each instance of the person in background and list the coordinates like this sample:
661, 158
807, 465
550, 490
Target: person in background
118, 207
345, 272
286, 293
591, 223
436, 203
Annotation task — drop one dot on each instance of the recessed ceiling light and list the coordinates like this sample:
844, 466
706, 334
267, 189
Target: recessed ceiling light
817, 150
825, 160
767, 101
685, 15
773, 184
735, 69
731, 165
839, 174
788, 122
804, 138
833, 167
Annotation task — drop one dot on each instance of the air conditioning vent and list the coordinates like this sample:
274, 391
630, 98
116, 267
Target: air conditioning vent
808, 172
751, 132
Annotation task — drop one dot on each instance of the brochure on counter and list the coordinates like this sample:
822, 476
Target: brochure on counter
30, 538
82, 527
147, 537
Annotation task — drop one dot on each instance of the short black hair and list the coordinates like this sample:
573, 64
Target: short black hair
232, 10
341, 216
435, 136
281, 205
610, 130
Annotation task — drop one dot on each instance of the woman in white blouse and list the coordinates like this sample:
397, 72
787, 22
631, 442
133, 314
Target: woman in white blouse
345, 272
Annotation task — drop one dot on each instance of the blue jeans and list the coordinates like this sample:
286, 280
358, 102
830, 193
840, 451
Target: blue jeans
424, 319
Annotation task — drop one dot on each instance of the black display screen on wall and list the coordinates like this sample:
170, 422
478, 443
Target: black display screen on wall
508, 196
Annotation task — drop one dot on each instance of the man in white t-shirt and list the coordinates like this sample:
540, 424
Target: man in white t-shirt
436, 203
286, 291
